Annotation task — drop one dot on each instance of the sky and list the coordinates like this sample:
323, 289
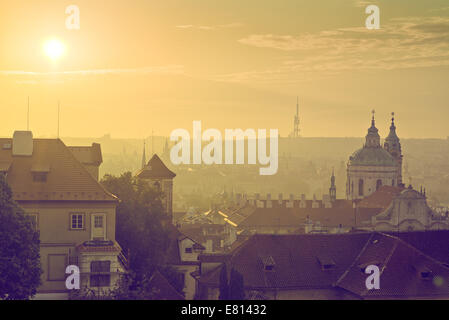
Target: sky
140, 66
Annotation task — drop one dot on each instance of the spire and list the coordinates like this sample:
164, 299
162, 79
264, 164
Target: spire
144, 160
372, 138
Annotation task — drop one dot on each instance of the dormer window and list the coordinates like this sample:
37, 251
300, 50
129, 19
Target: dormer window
268, 263
39, 177
40, 173
426, 274
326, 262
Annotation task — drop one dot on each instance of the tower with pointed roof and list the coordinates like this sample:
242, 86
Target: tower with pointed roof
393, 145
157, 175
371, 167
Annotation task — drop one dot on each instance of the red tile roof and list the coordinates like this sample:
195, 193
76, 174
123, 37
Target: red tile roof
67, 179
336, 260
380, 198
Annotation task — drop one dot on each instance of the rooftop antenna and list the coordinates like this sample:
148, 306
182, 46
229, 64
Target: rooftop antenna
28, 115
152, 142
59, 105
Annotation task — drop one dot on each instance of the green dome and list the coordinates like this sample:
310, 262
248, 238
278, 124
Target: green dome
372, 157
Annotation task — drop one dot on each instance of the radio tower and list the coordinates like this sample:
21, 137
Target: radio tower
296, 122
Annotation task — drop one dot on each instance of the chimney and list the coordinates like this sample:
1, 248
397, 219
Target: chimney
22, 143
269, 203
280, 199
315, 204
238, 198
291, 201
302, 204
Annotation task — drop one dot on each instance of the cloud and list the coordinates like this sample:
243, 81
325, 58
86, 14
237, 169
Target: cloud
172, 69
214, 27
402, 43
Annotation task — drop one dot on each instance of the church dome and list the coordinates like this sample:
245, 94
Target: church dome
372, 157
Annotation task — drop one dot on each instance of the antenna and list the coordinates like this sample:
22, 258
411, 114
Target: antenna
59, 105
28, 115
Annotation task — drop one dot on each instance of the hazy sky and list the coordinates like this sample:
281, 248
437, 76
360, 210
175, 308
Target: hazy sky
142, 65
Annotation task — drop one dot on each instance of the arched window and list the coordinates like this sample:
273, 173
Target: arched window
378, 184
157, 186
360, 187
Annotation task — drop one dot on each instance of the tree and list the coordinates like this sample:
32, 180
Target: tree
140, 228
224, 286
236, 286
20, 268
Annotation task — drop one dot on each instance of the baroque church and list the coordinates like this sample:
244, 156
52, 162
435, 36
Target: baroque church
373, 166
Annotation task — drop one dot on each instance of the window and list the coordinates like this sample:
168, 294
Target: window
77, 221
40, 176
392, 182
188, 250
378, 184
100, 266
100, 276
98, 221
360, 187
56, 267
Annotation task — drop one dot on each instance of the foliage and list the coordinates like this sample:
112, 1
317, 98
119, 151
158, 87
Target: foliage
140, 228
20, 268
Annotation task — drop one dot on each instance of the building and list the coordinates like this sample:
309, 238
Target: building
373, 166
74, 214
157, 175
293, 267
182, 254
409, 211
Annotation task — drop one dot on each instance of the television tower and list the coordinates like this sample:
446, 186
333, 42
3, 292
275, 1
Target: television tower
296, 122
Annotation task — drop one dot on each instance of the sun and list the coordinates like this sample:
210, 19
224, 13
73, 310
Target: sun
54, 49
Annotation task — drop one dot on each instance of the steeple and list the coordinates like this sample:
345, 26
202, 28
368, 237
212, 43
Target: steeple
393, 145
144, 160
333, 188
372, 138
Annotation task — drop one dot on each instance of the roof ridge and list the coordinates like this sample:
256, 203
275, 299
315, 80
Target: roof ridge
67, 150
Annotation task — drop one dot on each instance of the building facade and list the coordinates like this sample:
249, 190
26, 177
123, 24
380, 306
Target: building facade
373, 166
73, 213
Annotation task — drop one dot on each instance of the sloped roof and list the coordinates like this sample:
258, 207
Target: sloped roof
67, 179
173, 255
88, 154
381, 198
299, 263
296, 257
163, 289
400, 267
155, 169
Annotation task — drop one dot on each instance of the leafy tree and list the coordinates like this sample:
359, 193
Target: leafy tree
224, 286
236, 286
140, 228
20, 268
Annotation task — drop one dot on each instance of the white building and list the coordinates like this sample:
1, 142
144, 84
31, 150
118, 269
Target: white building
372, 166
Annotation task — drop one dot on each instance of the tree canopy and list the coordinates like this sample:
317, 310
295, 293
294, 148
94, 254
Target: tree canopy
20, 268
140, 229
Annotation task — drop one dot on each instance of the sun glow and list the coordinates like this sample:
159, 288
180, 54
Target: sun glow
54, 49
